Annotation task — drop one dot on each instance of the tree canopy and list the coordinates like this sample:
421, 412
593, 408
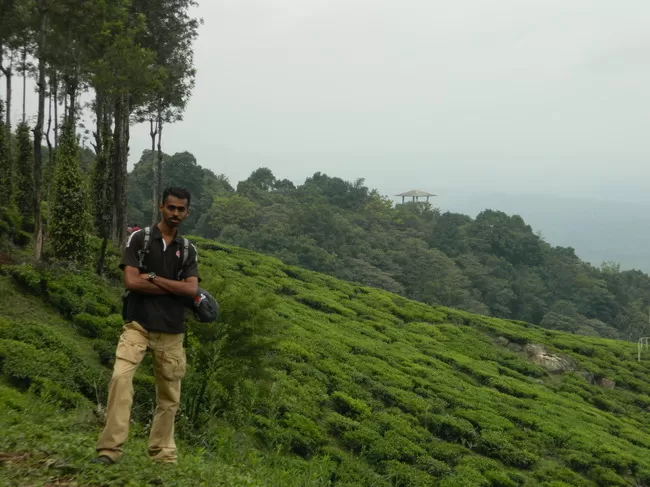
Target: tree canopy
494, 264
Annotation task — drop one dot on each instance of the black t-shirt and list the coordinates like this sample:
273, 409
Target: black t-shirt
164, 313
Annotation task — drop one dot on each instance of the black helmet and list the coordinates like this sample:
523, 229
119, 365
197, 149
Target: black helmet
205, 307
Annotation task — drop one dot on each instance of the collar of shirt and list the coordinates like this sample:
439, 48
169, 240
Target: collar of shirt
156, 233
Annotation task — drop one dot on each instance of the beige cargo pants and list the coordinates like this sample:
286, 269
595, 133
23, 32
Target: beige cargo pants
169, 369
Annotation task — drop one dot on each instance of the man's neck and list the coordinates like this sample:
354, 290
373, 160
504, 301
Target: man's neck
166, 230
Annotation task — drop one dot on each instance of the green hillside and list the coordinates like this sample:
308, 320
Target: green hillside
308, 380
495, 264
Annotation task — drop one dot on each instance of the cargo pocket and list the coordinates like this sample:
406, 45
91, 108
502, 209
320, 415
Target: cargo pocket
174, 364
130, 351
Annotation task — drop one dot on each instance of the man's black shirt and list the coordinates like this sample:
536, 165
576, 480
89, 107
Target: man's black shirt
164, 313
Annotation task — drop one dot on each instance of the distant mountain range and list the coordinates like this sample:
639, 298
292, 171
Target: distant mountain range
599, 230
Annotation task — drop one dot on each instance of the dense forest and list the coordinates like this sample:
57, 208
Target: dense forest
493, 265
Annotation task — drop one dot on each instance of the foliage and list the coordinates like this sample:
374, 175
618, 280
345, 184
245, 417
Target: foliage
308, 380
492, 265
25, 173
6, 163
69, 213
181, 169
9, 214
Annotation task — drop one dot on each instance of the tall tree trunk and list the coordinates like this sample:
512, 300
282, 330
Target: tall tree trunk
73, 90
100, 181
120, 152
102, 256
50, 151
159, 158
24, 79
65, 103
153, 130
38, 132
114, 165
8, 72
72, 117
54, 84
103, 210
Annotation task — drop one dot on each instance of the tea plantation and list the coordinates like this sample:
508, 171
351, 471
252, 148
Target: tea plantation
307, 380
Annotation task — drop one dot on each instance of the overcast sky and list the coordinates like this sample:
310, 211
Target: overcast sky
511, 95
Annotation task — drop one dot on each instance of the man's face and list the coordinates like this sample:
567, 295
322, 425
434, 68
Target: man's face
174, 210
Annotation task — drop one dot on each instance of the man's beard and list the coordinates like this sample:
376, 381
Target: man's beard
173, 223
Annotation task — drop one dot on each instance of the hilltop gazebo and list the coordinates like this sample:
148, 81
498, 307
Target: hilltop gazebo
416, 194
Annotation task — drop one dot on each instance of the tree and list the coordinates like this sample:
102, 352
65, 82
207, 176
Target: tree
169, 35
69, 210
100, 179
9, 214
7, 176
41, 6
14, 23
506, 236
262, 178
25, 173
233, 210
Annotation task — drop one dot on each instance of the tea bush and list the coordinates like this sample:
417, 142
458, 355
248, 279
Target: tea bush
329, 383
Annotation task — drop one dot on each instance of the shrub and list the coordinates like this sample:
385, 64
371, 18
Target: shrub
496, 444
339, 424
360, 439
28, 277
98, 326
453, 429
401, 475
433, 467
303, 435
23, 363
394, 446
464, 477
483, 419
606, 478
55, 394
449, 453
349, 406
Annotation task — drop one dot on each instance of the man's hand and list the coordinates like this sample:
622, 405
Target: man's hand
135, 282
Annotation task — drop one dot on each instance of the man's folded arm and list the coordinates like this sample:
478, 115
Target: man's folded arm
137, 283
187, 287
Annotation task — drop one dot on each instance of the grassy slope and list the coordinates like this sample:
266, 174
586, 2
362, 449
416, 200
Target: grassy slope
373, 389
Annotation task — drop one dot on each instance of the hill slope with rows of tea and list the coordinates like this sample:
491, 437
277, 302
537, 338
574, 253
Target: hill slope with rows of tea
308, 380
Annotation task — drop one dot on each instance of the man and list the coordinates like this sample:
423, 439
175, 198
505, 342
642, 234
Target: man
154, 320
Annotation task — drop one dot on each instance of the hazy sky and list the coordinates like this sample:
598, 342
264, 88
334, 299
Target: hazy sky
511, 95
489, 104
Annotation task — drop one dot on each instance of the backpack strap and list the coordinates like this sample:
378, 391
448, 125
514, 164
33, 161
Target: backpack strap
145, 247
186, 249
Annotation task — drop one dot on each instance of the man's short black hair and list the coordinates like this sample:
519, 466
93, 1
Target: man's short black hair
180, 193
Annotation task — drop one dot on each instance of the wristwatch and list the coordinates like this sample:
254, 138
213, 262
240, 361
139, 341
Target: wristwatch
152, 276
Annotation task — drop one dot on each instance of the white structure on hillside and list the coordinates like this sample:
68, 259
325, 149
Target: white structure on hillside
416, 194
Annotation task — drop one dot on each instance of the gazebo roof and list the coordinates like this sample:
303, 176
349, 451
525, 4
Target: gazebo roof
416, 193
